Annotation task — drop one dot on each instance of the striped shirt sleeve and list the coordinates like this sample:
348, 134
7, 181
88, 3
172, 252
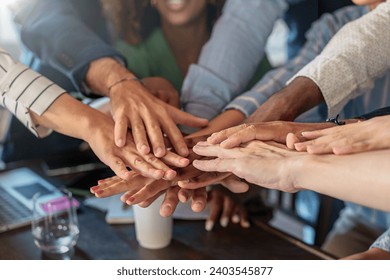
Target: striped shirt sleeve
23, 90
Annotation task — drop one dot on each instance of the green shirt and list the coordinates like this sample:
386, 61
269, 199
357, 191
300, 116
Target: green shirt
154, 58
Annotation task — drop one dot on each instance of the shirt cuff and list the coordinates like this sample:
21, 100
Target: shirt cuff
204, 94
247, 103
383, 242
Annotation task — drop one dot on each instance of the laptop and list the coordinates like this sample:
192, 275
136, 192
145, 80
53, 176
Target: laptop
17, 188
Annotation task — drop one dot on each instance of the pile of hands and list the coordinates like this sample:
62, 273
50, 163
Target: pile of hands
181, 182
162, 161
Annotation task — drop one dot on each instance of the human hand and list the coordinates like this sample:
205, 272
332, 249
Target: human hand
275, 162
173, 194
225, 207
228, 180
139, 188
163, 90
193, 178
288, 103
352, 138
102, 143
264, 131
135, 182
134, 106
371, 254
149, 118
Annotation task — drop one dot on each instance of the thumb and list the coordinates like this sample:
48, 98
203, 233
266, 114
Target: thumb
180, 117
292, 139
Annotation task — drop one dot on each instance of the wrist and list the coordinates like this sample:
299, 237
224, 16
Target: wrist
105, 72
293, 169
299, 96
93, 122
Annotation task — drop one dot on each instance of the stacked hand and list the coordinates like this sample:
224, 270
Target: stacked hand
141, 190
352, 138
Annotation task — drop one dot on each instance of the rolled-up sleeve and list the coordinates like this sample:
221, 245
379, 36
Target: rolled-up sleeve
23, 90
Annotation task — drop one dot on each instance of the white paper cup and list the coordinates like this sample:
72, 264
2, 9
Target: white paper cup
151, 229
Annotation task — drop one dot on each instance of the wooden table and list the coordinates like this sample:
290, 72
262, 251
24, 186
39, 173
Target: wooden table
99, 240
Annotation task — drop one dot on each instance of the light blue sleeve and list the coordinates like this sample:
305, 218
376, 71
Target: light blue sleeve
317, 38
229, 59
383, 241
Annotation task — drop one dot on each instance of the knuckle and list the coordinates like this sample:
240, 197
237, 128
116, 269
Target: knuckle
137, 161
150, 158
154, 126
137, 126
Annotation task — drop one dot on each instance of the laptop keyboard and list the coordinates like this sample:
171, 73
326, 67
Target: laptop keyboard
12, 212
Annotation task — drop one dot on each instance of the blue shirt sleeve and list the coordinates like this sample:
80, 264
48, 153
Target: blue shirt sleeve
64, 36
317, 38
231, 56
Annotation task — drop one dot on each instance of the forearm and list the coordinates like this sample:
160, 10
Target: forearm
225, 120
287, 104
105, 72
25, 91
67, 39
360, 178
70, 117
357, 54
275, 80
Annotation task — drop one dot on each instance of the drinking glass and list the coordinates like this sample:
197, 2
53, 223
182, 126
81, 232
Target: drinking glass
54, 226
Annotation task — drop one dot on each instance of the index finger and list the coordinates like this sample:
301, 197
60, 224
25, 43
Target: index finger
218, 137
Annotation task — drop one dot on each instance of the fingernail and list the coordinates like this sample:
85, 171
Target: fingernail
119, 142
94, 189
99, 192
209, 225
183, 182
159, 152
183, 151
183, 198
144, 149
236, 219
130, 200
246, 224
184, 161
166, 210
224, 222
101, 181
170, 174
198, 206
158, 173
